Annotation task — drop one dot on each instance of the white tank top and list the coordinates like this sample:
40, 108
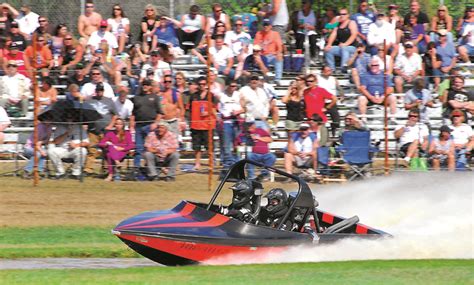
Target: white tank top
192, 24
281, 17
328, 83
212, 21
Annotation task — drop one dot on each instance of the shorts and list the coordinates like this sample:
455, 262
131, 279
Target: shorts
304, 162
199, 139
282, 31
292, 125
470, 49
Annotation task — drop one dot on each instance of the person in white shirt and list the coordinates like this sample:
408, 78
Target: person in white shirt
88, 90
302, 150
413, 135
27, 21
255, 102
14, 88
222, 57
467, 50
103, 35
155, 68
407, 67
277, 11
4, 123
123, 105
379, 31
463, 137
236, 37
119, 26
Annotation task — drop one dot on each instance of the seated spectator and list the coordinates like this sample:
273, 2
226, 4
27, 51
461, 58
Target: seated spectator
463, 138
295, 108
47, 93
70, 141
363, 18
119, 26
80, 76
441, 150
272, 47
417, 34
89, 89
103, 35
303, 24
255, 63
407, 67
329, 22
441, 21
315, 98
431, 65
165, 35
236, 38
421, 17
180, 82
116, 145
302, 150
88, 22
8, 15
71, 54
148, 25
17, 37
413, 136
44, 28
14, 91
18, 56
342, 41
393, 17
260, 140
466, 20
372, 89
388, 60
447, 52
380, 32
359, 62
161, 147
217, 16
466, 49
352, 123
56, 43
222, 58
318, 128
123, 105
192, 28
457, 97
155, 67
420, 98
4, 123
44, 129
43, 61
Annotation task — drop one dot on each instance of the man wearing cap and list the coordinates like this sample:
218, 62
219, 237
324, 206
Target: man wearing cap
88, 90
364, 17
302, 150
27, 21
447, 52
17, 37
303, 24
278, 15
162, 149
89, 22
407, 67
14, 54
14, 90
256, 103
412, 136
441, 150
255, 62
463, 137
380, 32
155, 67
103, 35
272, 47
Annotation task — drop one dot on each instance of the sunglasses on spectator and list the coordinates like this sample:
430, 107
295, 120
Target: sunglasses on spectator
233, 86
42, 21
374, 65
342, 14
217, 11
413, 116
202, 84
309, 81
441, 35
149, 10
11, 65
238, 24
67, 39
168, 81
89, 6
95, 73
117, 8
441, 10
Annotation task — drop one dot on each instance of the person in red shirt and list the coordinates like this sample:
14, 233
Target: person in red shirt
16, 55
43, 61
315, 98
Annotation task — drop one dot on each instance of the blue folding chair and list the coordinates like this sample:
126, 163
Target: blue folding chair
356, 151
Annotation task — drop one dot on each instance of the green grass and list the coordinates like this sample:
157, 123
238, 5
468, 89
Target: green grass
362, 272
40, 242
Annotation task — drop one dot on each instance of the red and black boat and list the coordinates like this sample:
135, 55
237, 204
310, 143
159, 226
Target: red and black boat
192, 233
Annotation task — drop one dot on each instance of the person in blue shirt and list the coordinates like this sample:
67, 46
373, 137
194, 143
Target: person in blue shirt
363, 18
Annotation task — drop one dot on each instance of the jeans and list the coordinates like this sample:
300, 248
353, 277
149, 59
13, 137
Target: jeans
229, 133
344, 52
140, 135
272, 60
28, 152
267, 159
231, 74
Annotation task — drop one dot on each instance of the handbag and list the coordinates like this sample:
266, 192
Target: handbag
418, 164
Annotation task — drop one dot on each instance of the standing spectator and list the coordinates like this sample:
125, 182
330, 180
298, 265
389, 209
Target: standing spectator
217, 16
431, 65
421, 18
407, 67
44, 130
44, 58
16, 37
447, 52
88, 90
279, 17
222, 58
463, 138
162, 148
329, 82
14, 91
315, 98
44, 28
457, 97
48, 94
381, 32
28, 21
149, 24
202, 118
7, 16
192, 28
372, 89
466, 49
123, 105
413, 136
106, 108
295, 108
302, 150
71, 54
342, 41
119, 26
303, 24
146, 110
441, 150
420, 98
116, 145
14, 54
193, 88
359, 61
102, 35
442, 21
172, 105
363, 18
272, 47
260, 140
237, 37
89, 22
256, 103
4, 123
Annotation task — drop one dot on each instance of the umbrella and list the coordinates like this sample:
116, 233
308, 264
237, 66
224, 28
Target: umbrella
64, 109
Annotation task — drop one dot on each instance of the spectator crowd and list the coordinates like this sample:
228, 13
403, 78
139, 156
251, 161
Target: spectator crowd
146, 106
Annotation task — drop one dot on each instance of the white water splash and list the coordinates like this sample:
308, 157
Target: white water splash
430, 216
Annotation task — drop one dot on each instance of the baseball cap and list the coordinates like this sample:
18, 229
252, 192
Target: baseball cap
155, 52
392, 6
444, 128
14, 45
99, 87
257, 47
442, 32
317, 118
304, 126
266, 22
163, 123
14, 24
408, 44
98, 50
12, 62
103, 23
147, 82
457, 112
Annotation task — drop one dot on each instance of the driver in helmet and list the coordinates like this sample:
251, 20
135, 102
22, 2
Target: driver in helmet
241, 205
276, 209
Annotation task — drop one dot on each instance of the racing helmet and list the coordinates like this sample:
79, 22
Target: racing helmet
242, 193
277, 202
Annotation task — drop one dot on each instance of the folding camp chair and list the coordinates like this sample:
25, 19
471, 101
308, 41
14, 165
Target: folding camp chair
356, 151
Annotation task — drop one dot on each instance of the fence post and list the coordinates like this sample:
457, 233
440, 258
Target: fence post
35, 114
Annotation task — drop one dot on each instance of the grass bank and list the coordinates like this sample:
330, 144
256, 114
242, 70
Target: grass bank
361, 272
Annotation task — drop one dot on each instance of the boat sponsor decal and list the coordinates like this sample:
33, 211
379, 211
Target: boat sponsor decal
217, 220
328, 218
361, 229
